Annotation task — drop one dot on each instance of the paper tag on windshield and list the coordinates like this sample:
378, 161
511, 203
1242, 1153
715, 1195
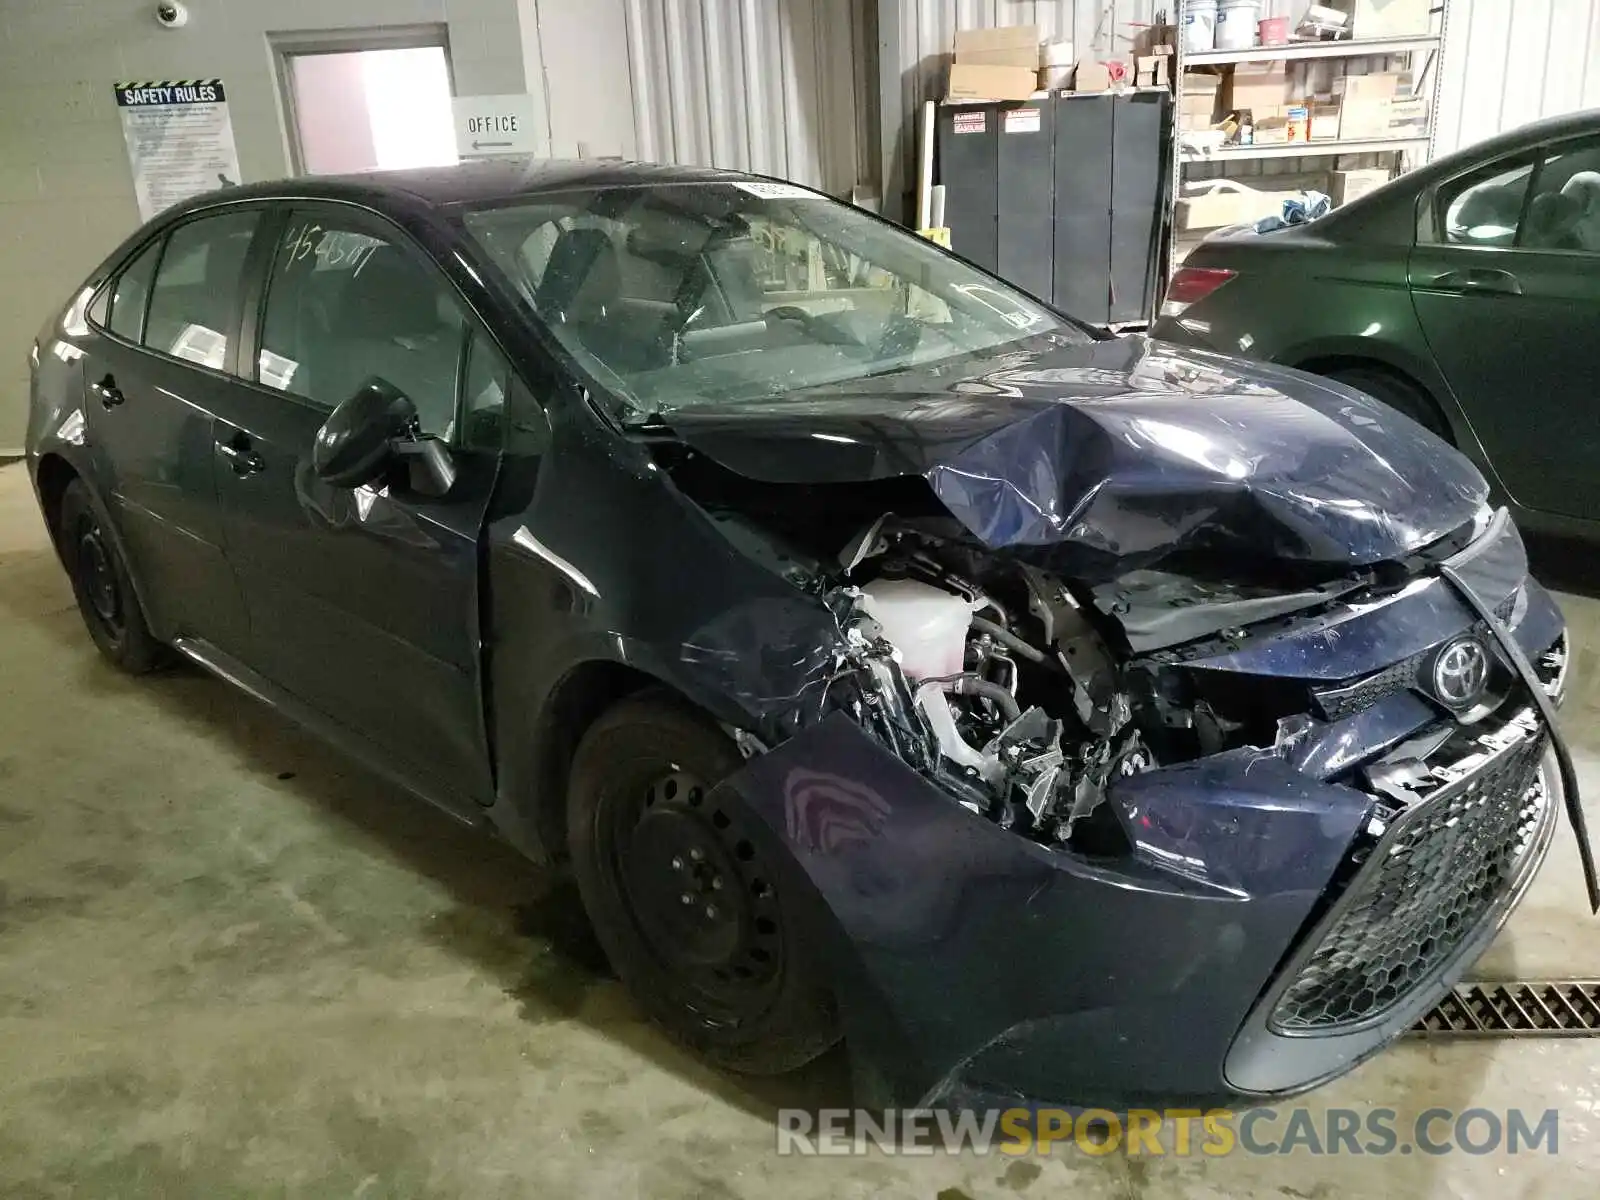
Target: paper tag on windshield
764, 190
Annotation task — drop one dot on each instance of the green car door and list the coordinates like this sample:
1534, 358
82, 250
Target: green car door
1505, 278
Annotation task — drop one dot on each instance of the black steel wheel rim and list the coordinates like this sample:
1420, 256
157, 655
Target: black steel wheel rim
703, 902
98, 575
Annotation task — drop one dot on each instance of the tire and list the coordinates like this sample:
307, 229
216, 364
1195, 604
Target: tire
1399, 394
101, 584
724, 971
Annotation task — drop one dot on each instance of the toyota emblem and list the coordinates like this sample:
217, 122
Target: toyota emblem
1461, 672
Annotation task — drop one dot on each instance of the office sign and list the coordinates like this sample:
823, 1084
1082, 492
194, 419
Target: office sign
488, 125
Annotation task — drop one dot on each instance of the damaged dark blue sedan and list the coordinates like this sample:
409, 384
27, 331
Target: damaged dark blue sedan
895, 659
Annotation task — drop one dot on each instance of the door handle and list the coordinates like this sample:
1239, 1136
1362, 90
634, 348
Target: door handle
1491, 281
108, 391
237, 454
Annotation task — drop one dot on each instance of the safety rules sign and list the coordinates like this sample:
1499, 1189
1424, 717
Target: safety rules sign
180, 140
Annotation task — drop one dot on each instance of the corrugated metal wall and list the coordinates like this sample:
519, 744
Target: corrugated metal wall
780, 87
1500, 73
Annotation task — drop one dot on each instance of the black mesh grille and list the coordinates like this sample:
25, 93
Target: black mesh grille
1431, 881
1341, 703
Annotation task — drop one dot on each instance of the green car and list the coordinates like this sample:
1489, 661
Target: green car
1465, 294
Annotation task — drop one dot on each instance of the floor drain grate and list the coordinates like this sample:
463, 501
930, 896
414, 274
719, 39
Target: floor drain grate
1542, 1008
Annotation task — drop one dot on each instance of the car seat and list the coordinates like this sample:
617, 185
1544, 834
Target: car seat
393, 320
1584, 187
1553, 223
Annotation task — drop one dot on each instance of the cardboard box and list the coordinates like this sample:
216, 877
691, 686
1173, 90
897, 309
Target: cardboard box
1091, 77
1253, 89
1236, 201
1384, 86
1055, 79
1389, 18
1408, 116
983, 82
1198, 82
1214, 210
1007, 46
1194, 122
1272, 131
1151, 67
1056, 54
1364, 118
1325, 122
1352, 185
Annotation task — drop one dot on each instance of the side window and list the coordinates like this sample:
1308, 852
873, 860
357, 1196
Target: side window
129, 294
1564, 213
344, 304
483, 397
1484, 208
193, 301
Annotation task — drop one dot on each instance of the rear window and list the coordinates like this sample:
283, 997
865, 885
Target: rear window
130, 293
194, 300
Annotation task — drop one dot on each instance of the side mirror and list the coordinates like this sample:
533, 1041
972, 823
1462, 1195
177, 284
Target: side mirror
356, 442
370, 431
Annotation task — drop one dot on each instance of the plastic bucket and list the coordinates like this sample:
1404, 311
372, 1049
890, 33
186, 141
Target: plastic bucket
1199, 25
1275, 31
1237, 23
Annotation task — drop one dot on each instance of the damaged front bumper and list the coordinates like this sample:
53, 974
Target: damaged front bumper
1232, 951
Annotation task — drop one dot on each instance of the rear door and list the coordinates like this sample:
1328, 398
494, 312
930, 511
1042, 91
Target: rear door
167, 330
1507, 290
364, 603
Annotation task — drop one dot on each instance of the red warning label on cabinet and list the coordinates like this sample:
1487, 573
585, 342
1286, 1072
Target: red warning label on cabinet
970, 122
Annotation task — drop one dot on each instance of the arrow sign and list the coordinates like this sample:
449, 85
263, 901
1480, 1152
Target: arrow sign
489, 125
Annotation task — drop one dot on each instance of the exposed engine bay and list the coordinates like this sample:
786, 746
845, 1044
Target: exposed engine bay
989, 675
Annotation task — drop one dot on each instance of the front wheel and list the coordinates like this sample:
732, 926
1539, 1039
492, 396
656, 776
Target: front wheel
102, 585
691, 917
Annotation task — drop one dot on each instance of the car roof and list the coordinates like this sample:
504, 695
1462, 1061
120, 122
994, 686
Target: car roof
1534, 133
474, 182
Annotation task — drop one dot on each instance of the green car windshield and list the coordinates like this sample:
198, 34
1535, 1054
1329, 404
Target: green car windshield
710, 293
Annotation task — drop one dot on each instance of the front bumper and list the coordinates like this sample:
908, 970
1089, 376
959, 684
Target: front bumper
972, 965
967, 958
1430, 890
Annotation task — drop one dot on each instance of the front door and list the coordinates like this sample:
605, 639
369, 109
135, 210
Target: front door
1508, 296
156, 369
364, 603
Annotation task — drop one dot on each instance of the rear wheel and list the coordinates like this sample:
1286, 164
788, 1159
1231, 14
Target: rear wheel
101, 583
1399, 394
690, 915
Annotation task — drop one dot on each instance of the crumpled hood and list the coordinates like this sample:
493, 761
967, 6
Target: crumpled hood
1095, 458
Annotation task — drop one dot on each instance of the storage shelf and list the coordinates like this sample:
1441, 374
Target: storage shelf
1310, 149
1354, 48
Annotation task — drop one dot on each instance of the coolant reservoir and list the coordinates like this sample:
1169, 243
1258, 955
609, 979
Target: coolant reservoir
928, 625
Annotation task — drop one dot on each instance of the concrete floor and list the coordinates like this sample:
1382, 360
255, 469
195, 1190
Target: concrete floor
232, 964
